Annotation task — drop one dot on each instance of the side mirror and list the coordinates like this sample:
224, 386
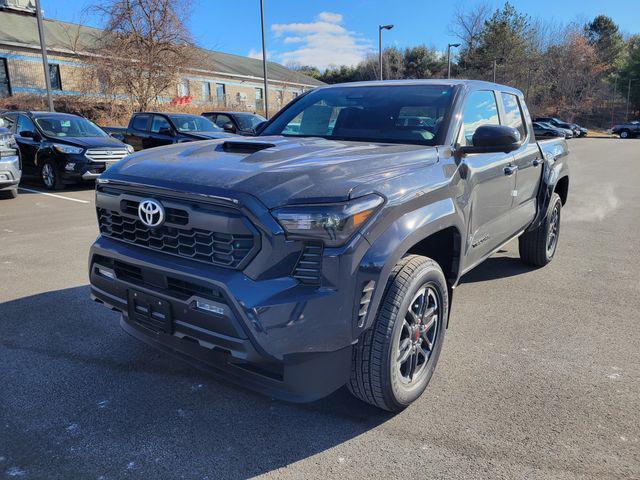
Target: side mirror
258, 128
27, 134
493, 139
228, 127
166, 131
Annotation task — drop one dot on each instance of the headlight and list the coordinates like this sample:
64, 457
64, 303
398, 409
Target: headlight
62, 148
333, 223
7, 145
129, 148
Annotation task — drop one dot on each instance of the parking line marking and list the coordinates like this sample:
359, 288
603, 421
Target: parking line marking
54, 195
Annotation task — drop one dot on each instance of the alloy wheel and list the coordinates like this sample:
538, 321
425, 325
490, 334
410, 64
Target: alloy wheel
554, 230
418, 336
48, 175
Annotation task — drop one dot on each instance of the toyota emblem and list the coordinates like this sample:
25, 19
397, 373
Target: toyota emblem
151, 213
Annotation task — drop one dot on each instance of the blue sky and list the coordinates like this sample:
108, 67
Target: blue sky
328, 32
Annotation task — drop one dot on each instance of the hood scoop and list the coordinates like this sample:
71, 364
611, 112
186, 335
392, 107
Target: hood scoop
245, 147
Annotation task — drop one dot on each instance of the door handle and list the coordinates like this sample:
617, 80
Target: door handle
536, 162
510, 170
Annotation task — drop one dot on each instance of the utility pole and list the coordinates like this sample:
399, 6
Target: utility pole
45, 62
380, 28
626, 112
613, 99
264, 63
495, 67
449, 57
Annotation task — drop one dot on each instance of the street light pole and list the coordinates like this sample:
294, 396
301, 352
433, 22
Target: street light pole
380, 28
495, 67
626, 112
45, 62
449, 57
264, 63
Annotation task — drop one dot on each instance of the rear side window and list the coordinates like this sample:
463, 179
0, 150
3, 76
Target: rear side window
480, 109
159, 123
140, 122
513, 113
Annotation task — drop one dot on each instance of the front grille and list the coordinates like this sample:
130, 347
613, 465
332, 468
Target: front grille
217, 248
309, 266
106, 154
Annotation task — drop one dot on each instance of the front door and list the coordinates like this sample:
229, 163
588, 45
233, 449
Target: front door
28, 140
491, 181
161, 132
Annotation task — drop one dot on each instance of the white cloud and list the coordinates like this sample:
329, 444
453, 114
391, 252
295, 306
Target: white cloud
253, 53
330, 17
323, 42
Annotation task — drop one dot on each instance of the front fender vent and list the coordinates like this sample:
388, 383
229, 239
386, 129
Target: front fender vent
365, 300
308, 270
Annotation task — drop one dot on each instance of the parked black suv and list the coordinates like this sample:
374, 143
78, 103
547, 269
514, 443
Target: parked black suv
154, 129
242, 123
61, 148
325, 251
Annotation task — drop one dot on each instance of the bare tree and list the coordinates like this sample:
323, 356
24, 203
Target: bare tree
468, 25
144, 48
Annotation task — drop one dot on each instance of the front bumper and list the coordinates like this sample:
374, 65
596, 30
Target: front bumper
10, 172
277, 336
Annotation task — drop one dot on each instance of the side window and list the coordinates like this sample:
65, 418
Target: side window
221, 120
159, 123
480, 109
513, 113
25, 124
140, 122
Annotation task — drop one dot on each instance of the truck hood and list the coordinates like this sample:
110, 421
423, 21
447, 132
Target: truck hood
207, 135
89, 142
277, 170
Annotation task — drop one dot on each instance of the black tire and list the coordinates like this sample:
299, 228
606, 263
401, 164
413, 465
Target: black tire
537, 247
625, 134
377, 376
11, 193
50, 176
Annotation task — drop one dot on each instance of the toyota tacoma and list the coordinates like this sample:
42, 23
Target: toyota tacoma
325, 251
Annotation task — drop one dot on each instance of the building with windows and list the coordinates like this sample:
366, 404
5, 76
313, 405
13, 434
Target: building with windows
230, 81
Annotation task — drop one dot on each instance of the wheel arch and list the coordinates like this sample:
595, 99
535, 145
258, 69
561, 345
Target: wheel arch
562, 188
434, 231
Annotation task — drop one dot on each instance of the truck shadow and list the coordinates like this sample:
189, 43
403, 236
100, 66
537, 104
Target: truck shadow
81, 399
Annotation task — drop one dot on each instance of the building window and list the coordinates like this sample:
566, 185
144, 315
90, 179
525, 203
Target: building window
206, 91
54, 76
221, 94
259, 105
183, 88
5, 85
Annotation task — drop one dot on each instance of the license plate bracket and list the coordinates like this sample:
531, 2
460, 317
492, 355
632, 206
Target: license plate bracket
149, 311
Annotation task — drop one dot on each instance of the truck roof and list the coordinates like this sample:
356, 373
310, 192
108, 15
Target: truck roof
472, 84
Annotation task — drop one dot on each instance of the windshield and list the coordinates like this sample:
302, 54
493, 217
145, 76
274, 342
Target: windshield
386, 113
193, 123
69, 126
248, 121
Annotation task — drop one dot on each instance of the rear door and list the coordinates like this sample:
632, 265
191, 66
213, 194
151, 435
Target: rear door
162, 132
489, 178
527, 159
28, 146
138, 132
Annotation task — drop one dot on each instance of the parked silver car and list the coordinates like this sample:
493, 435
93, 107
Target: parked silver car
10, 168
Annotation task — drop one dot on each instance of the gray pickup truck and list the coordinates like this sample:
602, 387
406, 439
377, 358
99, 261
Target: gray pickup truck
326, 250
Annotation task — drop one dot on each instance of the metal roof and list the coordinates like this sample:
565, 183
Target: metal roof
18, 29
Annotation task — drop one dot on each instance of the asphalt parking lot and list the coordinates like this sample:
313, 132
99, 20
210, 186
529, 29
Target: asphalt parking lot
539, 375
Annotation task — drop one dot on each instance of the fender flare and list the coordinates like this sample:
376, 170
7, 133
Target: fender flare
554, 168
389, 247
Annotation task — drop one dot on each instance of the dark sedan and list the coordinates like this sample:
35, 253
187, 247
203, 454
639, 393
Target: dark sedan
241, 123
545, 130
